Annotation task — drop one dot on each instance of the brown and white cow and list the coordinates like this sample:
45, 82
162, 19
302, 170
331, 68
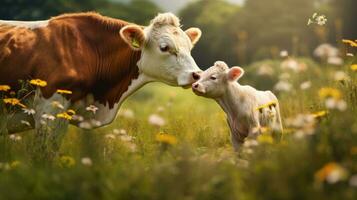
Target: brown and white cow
97, 57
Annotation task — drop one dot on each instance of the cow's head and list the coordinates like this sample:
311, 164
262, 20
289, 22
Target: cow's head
165, 49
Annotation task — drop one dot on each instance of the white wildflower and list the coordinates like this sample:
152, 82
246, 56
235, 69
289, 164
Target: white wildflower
127, 113
57, 104
283, 86
15, 138
110, 136
29, 111
48, 117
291, 64
325, 51
25, 122
77, 118
341, 76
126, 138
92, 108
119, 132
95, 123
86, 161
250, 143
265, 70
156, 120
284, 53
284, 76
349, 54
160, 109
321, 20
305, 85
335, 60
85, 125
353, 181
338, 104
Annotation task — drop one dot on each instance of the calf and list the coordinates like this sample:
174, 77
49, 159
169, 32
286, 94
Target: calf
247, 109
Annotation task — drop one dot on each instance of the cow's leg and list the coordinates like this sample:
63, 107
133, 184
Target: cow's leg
236, 140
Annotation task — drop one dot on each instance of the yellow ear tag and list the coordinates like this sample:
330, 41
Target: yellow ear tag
135, 43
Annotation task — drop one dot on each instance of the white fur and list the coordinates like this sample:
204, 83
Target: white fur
26, 24
240, 103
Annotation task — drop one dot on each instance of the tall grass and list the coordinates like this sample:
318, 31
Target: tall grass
202, 164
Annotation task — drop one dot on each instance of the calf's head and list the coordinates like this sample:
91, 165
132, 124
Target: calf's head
165, 49
213, 82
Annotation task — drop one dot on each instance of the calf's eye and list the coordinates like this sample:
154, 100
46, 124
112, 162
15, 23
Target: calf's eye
213, 78
164, 48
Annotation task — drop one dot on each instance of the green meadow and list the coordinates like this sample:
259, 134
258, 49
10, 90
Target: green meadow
168, 143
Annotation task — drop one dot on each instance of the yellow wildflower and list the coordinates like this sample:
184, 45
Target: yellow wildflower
71, 112
15, 164
319, 114
327, 92
354, 67
265, 138
166, 139
273, 103
64, 115
350, 42
4, 88
66, 161
59, 91
38, 82
13, 102
331, 172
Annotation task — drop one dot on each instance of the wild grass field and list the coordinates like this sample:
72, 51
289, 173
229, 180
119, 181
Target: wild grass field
168, 143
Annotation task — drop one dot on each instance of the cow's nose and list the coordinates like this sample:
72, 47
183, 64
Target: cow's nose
195, 85
195, 76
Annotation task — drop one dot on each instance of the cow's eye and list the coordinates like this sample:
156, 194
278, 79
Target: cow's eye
213, 78
164, 48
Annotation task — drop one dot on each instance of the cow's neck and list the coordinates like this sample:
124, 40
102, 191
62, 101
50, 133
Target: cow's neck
230, 102
116, 72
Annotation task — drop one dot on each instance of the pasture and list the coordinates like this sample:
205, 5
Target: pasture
168, 143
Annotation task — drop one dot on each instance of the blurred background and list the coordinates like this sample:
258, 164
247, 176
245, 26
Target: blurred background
236, 31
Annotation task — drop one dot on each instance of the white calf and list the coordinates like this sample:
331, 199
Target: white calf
247, 109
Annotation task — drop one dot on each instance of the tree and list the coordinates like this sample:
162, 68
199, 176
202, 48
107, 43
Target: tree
213, 17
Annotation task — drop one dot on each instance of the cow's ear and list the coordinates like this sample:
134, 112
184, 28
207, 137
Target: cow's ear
134, 36
194, 34
235, 73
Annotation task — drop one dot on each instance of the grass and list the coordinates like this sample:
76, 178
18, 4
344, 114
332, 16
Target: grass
202, 165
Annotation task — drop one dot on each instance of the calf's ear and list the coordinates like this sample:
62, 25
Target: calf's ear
194, 34
134, 36
235, 73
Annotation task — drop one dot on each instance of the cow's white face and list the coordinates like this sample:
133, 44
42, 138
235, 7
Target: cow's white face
213, 82
165, 49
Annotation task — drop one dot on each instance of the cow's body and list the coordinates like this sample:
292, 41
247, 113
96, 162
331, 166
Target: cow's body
85, 53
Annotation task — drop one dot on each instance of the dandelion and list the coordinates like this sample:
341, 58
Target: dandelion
320, 114
327, 92
71, 112
57, 104
86, 161
66, 162
60, 91
38, 82
13, 102
332, 173
64, 115
305, 85
92, 108
166, 139
48, 117
25, 123
156, 120
350, 42
354, 67
4, 88
29, 111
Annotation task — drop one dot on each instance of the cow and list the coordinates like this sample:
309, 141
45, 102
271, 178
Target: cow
247, 109
101, 60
